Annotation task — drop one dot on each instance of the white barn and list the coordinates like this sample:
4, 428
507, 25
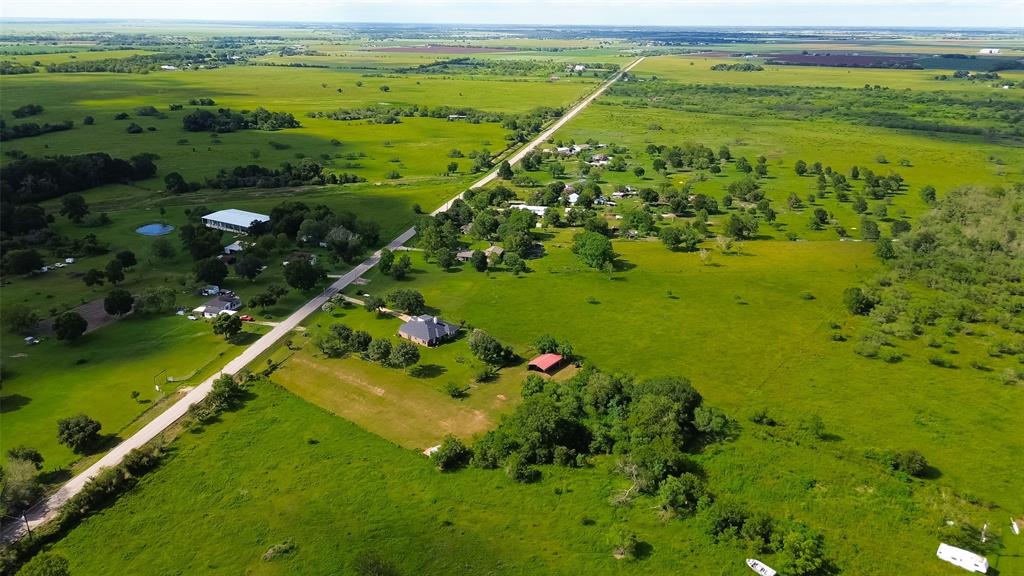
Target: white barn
962, 558
232, 220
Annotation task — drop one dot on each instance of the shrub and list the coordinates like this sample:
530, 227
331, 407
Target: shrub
370, 564
451, 455
681, 494
454, 390
485, 373
533, 384
517, 468
278, 550
624, 543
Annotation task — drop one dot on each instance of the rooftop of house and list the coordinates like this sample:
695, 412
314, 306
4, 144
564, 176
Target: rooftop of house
427, 328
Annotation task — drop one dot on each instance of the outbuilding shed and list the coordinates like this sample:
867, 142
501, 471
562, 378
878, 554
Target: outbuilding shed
547, 363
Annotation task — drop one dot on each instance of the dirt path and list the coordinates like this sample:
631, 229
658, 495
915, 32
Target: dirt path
47, 509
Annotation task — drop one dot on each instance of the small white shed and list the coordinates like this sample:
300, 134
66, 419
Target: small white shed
962, 558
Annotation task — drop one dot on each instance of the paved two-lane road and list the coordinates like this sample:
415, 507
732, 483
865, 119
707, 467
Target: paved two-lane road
48, 508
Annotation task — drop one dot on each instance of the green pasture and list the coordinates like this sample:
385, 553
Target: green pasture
742, 331
282, 470
78, 55
696, 69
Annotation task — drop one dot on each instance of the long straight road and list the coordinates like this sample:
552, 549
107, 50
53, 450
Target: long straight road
49, 507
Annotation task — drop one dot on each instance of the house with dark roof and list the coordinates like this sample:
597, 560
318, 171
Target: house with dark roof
427, 330
224, 303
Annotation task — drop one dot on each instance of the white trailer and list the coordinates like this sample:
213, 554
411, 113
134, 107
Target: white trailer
962, 558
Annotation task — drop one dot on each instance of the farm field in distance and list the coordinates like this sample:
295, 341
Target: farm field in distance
783, 300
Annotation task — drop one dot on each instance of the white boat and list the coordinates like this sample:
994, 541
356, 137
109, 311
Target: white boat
760, 567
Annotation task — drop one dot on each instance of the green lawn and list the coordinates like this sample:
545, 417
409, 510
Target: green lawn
96, 376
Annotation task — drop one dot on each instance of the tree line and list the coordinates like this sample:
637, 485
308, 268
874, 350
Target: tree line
33, 179
226, 120
991, 115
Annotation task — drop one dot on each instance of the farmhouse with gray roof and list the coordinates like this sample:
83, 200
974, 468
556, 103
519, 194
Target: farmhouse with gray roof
427, 330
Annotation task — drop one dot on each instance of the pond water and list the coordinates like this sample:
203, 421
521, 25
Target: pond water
155, 229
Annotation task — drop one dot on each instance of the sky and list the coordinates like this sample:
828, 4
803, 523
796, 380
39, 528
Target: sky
879, 13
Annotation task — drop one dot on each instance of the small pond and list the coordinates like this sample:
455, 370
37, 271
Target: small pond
155, 229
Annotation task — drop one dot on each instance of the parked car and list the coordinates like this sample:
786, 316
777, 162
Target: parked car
246, 318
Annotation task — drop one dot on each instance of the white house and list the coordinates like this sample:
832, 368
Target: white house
989, 51
962, 558
168, 67
574, 198
538, 210
232, 220
234, 248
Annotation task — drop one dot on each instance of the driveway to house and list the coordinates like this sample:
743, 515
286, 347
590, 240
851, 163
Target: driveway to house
48, 508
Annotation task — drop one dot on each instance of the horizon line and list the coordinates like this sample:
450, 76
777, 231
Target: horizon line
284, 23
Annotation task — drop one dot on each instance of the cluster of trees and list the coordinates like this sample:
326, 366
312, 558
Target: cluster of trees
402, 299
740, 67
469, 65
34, 179
340, 340
306, 172
10, 67
226, 120
387, 114
489, 350
29, 129
966, 248
227, 393
651, 424
802, 549
136, 64
396, 267
439, 236
113, 272
20, 480
689, 156
27, 110
345, 235
964, 113
594, 249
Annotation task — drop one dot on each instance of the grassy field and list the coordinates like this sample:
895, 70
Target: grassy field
77, 55
412, 411
741, 330
697, 69
52, 380
282, 470
328, 458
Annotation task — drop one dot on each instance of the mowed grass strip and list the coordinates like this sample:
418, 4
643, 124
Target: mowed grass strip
411, 409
